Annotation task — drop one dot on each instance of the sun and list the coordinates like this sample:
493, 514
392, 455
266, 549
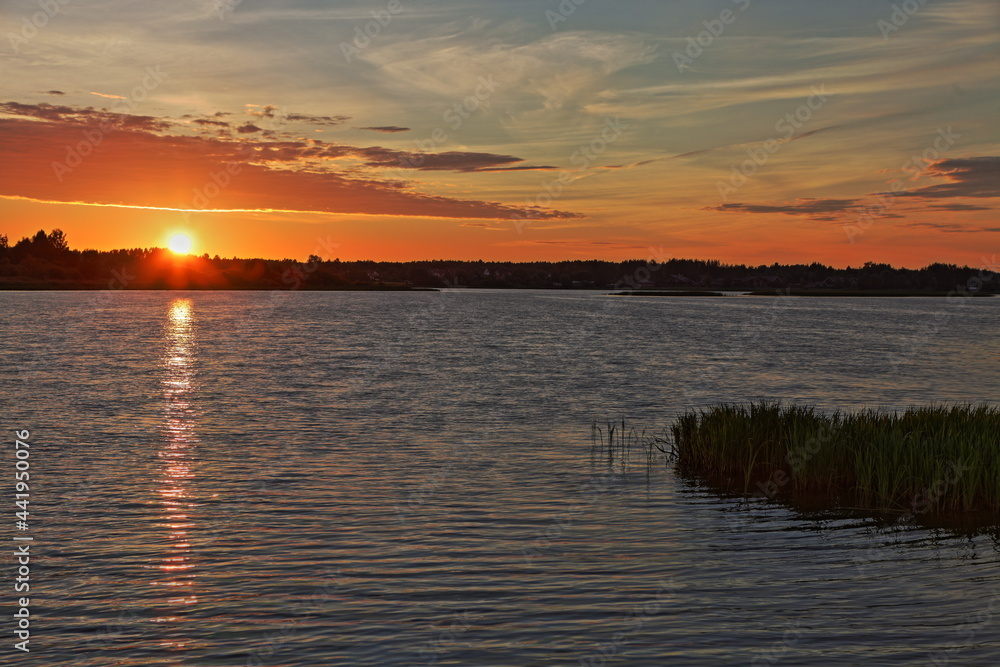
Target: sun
180, 243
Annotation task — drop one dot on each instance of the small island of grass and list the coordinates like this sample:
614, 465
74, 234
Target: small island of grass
942, 460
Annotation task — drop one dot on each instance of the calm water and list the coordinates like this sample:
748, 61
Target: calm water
388, 478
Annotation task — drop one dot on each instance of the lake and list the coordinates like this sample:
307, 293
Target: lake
375, 478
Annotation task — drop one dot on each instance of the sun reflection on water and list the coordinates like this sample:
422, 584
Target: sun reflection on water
179, 440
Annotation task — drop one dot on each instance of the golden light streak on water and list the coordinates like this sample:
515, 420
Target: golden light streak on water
180, 440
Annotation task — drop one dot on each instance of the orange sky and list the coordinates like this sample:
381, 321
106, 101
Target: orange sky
809, 134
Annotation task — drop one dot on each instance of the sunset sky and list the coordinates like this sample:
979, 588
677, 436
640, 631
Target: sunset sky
738, 130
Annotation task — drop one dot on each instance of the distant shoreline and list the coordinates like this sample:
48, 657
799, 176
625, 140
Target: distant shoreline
99, 286
805, 292
46, 262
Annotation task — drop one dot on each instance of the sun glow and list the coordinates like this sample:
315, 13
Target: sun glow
180, 243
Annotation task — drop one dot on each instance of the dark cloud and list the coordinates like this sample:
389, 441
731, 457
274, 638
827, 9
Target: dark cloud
272, 112
248, 128
54, 92
807, 207
388, 158
86, 116
950, 228
316, 120
967, 177
957, 207
463, 161
209, 121
138, 123
385, 128
587, 242
44, 111
818, 210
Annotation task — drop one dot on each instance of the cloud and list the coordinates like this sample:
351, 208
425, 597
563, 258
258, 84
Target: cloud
248, 128
133, 167
807, 207
272, 112
316, 120
210, 121
462, 161
86, 116
564, 70
811, 133
967, 177
54, 92
977, 177
582, 244
266, 111
113, 97
951, 228
957, 207
379, 157
45, 111
704, 151
385, 128
527, 167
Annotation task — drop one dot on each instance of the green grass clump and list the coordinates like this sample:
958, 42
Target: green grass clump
939, 459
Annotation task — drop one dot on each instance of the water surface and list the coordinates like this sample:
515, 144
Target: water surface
404, 478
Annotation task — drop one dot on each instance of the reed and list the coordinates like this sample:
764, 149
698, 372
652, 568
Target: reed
615, 442
937, 459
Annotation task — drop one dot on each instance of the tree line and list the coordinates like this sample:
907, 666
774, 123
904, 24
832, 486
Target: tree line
46, 261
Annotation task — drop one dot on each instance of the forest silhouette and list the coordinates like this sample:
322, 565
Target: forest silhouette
46, 261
